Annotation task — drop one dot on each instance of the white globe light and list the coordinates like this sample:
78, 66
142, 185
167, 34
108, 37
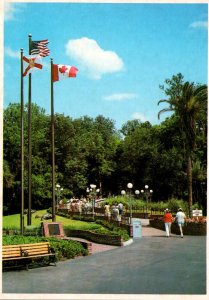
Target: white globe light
142, 191
57, 185
151, 191
123, 192
93, 186
137, 192
130, 185
146, 186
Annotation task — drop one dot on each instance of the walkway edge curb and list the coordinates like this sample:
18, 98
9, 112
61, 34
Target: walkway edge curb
127, 242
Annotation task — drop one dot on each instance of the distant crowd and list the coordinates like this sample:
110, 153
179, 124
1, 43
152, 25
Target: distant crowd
84, 206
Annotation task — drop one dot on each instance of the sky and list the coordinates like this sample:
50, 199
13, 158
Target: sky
123, 53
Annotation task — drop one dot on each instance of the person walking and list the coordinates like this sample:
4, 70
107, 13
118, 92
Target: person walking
115, 212
107, 211
167, 221
120, 208
180, 218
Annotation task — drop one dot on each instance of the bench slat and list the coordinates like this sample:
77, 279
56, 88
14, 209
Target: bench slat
12, 255
30, 252
35, 244
10, 246
11, 250
38, 248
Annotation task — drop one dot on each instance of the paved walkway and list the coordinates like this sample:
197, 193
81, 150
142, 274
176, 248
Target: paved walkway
150, 265
146, 231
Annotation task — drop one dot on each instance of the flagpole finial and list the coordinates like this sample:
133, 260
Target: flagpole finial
30, 35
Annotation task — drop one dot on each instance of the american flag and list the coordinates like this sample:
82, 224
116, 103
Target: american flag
40, 47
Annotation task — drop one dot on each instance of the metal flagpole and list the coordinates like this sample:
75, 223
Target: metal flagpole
52, 145
29, 140
22, 147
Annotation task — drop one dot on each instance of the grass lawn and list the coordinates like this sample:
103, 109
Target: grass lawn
13, 222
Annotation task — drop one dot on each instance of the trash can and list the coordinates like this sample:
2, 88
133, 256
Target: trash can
137, 228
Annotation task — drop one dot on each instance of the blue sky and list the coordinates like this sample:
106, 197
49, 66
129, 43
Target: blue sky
123, 53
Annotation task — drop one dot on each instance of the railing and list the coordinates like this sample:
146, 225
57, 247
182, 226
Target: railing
136, 213
101, 210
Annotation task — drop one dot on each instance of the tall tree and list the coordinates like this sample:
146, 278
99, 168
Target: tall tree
188, 101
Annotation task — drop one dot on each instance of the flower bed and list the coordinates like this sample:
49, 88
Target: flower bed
191, 227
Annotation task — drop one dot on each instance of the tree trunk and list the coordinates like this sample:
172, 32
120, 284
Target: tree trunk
189, 180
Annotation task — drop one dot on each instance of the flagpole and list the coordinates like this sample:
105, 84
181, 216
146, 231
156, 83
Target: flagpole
29, 140
22, 146
52, 145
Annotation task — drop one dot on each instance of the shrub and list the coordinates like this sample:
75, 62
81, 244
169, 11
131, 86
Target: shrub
63, 248
115, 230
82, 218
136, 203
159, 206
174, 204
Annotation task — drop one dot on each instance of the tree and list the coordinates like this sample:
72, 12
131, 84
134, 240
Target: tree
188, 101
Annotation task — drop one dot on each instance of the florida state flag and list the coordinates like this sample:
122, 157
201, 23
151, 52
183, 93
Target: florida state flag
31, 63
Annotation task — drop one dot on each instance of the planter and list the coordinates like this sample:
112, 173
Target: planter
114, 240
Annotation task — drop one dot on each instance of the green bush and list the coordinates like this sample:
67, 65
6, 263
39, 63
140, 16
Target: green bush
49, 210
109, 227
174, 204
125, 200
115, 201
114, 230
159, 206
197, 206
82, 218
63, 248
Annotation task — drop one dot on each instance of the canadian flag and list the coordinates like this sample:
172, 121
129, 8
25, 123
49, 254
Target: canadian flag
62, 71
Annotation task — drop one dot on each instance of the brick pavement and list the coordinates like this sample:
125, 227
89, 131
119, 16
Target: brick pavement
147, 231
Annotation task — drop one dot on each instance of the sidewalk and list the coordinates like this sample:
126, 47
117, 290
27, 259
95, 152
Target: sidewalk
147, 231
150, 265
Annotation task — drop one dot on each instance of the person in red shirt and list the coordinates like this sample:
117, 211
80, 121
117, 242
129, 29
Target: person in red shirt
168, 221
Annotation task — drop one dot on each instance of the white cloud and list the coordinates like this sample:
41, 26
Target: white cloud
199, 24
11, 53
121, 97
139, 116
9, 11
92, 58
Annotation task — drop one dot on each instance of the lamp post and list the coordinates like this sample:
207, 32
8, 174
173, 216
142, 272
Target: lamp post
92, 193
129, 186
147, 193
58, 189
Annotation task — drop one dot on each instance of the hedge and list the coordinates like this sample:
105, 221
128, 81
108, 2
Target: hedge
63, 248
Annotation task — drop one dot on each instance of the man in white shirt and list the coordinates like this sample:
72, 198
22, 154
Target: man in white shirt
180, 217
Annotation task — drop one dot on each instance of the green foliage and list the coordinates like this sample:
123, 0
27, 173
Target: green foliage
159, 206
98, 225
189, 103
115, 230
91, 150
175, 204
63, 248
115, 200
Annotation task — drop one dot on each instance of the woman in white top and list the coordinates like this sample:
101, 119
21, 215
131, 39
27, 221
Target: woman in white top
180, 217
